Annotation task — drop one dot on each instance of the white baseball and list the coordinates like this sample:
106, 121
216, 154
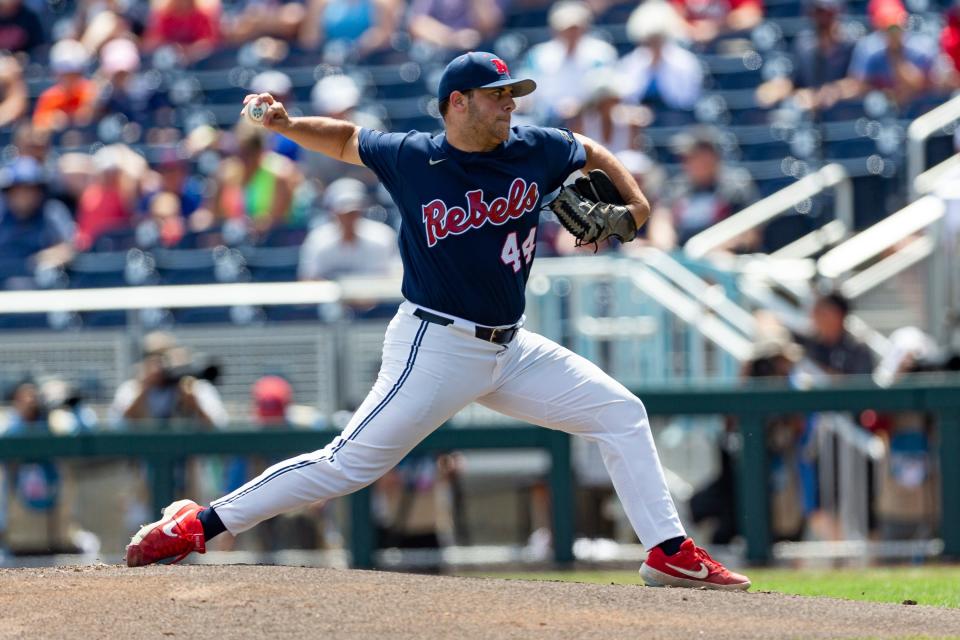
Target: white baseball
255, 110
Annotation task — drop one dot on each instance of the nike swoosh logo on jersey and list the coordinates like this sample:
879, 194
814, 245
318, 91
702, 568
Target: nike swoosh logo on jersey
697, 575
168, 528
432, 162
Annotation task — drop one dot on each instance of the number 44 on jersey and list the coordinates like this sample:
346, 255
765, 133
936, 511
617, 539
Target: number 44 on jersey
511, 253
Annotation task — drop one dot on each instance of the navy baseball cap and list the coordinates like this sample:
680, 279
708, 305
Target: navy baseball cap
480, 70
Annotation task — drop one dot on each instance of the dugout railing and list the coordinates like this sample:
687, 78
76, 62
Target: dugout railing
937, 395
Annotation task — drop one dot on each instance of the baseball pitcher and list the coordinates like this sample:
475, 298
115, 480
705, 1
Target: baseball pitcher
470, 201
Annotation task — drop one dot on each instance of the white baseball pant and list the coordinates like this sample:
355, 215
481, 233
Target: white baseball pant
429, 373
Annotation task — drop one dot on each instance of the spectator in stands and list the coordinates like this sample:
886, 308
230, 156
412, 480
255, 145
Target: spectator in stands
272, 409
659, 72
122, 92
173, 176
705, 193
821, 58
774, 357
279, 85
358, 28
898, 63
37, 512
96, 22
454, 25
561, 64
36, 231
338, 96
31, 141
255, 185
13, 91
74, 172
950, 43
72, 99
649, 175
651, 178
166, 218
907, 498
253, 19
272, 396
705, 20
192, 26
409, 502
68, 413
108, 203
350, 244
605, 118
168, 390
830, 345
20, 28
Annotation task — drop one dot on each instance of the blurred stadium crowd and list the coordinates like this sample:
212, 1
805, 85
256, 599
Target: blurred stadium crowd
124, 163
119, 119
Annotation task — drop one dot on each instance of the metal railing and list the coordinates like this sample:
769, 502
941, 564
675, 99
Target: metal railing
917, 216
879, 238
710, 295
683, 304
832, 176
917, 134
665, 323
844, 451
198, 295
939, 396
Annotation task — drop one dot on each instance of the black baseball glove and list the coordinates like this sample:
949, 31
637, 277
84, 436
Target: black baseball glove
593, 210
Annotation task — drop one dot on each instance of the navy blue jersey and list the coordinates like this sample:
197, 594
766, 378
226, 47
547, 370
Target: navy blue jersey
469, 220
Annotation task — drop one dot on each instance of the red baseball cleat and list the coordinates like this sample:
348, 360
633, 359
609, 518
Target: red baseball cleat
689, 567
169, 539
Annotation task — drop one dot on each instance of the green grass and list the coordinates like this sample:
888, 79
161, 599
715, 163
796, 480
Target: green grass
936, 586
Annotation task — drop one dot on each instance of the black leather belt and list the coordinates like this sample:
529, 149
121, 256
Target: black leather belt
496, 335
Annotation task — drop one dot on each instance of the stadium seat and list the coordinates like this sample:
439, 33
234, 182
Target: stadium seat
13, 268
104, 318
105, 269
782, 9
663, 117
845, 110
24, 321
272, 264
221, 59
203, 315
185, 266
786, 228
200, 239
285, 236
764, 150
292, 313
115, 240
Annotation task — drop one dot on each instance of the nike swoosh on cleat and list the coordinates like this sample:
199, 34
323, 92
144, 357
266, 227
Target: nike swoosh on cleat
432, 162
168, 528
697, 575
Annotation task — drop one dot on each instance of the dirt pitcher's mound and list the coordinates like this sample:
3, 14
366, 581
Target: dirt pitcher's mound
199, 601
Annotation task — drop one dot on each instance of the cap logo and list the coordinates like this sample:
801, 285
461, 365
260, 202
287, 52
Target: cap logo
500, 66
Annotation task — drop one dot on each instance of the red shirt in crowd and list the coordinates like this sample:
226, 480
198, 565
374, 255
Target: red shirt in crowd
712, 9
950, 37
63, 98
102, 208
167, 26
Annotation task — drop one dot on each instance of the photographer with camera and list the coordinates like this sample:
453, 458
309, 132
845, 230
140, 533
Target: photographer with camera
170, 390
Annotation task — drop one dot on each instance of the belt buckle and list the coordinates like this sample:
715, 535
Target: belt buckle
494, 331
